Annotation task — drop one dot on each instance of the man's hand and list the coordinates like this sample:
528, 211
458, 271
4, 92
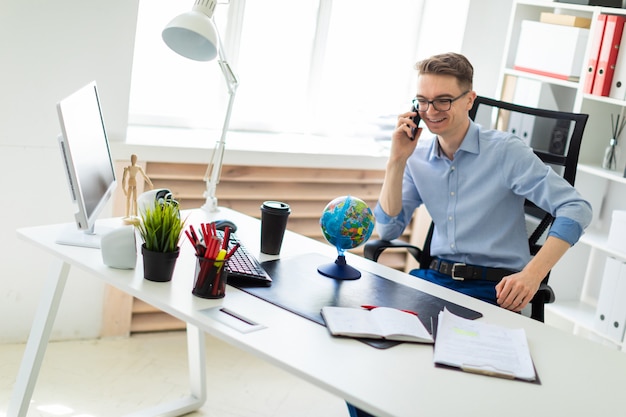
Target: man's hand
402, 141
515, 291
402, 147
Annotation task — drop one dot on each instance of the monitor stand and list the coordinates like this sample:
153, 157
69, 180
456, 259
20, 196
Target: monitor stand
72, 236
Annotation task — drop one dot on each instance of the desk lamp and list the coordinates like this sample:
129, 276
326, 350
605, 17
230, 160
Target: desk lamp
194, 35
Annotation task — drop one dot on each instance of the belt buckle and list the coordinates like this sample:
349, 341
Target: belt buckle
453, 272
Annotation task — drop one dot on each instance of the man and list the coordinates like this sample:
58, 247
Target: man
473, 183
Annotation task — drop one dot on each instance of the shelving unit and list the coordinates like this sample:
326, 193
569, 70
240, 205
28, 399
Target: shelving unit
577, 277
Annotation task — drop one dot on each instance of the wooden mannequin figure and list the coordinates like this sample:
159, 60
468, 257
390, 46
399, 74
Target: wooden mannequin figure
129, 185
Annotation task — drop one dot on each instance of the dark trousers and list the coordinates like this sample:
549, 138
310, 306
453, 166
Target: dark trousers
483, 290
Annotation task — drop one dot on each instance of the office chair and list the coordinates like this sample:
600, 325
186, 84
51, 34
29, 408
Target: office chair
555, 137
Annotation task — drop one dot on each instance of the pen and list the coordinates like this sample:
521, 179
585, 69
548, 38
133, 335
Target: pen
233, 250
226, 238
371, 307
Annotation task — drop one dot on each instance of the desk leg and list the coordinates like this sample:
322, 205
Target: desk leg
38, 339
196, 356
38, 342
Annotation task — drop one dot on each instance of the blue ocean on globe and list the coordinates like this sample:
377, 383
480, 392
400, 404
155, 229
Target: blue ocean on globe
347, 222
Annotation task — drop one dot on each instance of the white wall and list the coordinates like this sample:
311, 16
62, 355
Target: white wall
50, 49
475, 28
484, 40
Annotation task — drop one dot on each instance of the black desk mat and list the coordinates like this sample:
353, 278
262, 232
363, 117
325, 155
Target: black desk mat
299, 288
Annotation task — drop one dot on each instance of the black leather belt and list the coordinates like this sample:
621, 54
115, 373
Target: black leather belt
461, 271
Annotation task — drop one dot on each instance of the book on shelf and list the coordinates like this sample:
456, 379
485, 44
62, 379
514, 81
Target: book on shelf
483, 348
375, 323
565, 20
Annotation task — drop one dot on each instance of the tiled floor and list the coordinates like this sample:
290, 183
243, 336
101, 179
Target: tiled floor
113, 377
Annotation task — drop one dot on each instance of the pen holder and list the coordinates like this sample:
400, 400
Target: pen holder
210, 280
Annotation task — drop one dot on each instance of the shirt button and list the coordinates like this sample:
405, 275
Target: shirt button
452, 245
450, 218
451, 192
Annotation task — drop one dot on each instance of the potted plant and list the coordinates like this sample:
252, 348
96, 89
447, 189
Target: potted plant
160, 227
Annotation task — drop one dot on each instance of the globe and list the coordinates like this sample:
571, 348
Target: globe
346, 223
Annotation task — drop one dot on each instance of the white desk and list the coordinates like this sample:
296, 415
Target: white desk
579, 378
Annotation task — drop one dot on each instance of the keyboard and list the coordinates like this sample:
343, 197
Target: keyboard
244, 269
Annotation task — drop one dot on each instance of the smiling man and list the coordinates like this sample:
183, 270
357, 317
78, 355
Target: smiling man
473, 183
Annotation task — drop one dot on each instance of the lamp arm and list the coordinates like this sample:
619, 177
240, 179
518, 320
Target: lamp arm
214, 170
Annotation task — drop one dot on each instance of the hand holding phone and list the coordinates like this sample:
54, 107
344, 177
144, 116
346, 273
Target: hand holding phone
416, 120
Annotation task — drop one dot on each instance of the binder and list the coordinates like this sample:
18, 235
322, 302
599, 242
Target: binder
618, 84
608, 54
527, 93
532, 93
608, 288
515, 124
618, 308
594, 54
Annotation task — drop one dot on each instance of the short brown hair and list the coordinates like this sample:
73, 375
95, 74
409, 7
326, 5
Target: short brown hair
449, 64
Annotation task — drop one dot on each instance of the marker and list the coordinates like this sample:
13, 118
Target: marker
219, 259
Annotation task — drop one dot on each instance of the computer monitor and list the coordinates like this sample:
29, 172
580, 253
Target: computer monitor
88, 164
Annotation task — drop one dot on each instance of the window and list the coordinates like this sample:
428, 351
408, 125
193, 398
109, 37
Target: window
340, 67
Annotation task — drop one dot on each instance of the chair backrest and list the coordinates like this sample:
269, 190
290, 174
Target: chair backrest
555, 136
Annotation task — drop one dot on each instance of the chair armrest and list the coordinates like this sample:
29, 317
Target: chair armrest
373, 248
544, 295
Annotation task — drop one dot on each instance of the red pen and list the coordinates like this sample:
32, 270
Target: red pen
226, 237
371, 307
232, 250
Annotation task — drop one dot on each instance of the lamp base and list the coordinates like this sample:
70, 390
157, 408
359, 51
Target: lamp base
339, 270
210, 205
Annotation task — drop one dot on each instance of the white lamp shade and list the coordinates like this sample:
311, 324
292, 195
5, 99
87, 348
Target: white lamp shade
192, 35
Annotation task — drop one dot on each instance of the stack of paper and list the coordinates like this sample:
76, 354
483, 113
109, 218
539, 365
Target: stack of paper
474, 346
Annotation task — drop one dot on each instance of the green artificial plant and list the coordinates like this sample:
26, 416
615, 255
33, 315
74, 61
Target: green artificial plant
161, 226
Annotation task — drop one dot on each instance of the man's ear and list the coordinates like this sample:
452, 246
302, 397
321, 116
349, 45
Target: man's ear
471, 97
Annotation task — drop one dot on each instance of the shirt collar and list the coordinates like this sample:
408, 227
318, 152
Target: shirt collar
469, 144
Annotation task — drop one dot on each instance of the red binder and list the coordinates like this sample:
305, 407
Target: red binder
608, 55
594, 54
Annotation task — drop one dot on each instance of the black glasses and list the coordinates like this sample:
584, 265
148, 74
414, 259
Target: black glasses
440, 104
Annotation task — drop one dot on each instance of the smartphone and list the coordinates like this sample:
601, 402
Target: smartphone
416, 120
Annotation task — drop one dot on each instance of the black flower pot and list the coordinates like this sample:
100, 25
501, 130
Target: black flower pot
158, 266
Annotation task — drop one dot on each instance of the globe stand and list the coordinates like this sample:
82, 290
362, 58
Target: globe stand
339, 269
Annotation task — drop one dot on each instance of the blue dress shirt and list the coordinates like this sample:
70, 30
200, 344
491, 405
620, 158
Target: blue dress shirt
477, 200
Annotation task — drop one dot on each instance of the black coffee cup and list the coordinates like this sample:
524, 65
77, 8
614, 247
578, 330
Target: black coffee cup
274, 215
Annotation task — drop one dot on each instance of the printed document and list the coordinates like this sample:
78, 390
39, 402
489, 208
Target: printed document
484, 348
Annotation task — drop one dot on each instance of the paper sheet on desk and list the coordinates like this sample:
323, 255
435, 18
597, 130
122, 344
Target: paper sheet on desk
474, 346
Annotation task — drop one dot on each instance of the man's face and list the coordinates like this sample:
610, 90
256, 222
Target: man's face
441, 89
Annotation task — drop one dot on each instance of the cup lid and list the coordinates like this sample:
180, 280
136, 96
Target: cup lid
275, 206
